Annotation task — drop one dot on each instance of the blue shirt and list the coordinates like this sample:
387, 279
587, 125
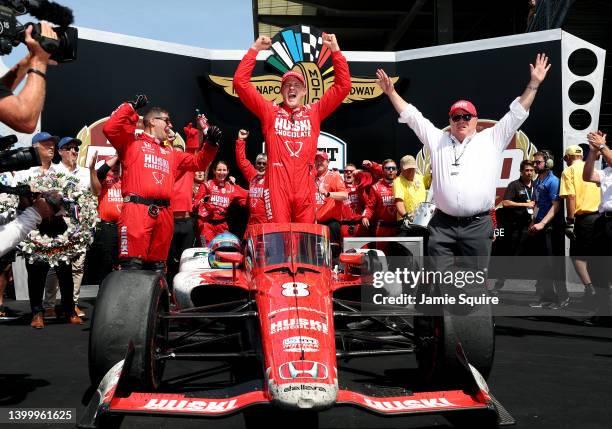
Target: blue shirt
545, 192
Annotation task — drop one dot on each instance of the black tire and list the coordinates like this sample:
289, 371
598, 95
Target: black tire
437, 338
126, 310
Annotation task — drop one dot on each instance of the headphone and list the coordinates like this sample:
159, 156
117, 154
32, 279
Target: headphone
549, 161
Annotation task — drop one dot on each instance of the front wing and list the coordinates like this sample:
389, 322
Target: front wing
111, 399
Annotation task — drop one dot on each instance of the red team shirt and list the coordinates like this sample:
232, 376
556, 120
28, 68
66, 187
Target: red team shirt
212, 199
259, 199
110, 200
381, 207
328, 208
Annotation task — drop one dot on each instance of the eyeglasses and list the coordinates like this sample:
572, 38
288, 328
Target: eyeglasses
72, 148
391, 168
538, 162
467, 117
166, 119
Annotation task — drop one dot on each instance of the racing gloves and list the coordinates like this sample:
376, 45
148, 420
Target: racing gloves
139, 101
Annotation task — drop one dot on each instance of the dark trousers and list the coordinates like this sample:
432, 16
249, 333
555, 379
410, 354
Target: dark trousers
37, 275
600, 266
550, 286
460, 246
183, 238
104, 252
449, 237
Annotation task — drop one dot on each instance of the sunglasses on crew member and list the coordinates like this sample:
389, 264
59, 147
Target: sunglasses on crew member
391, 168
467, 117
166, 119
73, 148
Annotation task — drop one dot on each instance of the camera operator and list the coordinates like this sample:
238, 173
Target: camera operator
14, 232
21, 112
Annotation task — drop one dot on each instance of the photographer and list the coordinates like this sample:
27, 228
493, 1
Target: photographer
21, 111
15, 231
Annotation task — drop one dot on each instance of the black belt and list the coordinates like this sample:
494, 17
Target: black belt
154, 204
607, 214
216, 221
350, 222
385, 223
586, 214
465, 218
146, 201
108, 222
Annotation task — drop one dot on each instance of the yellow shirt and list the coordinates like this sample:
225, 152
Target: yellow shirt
411, 192
587, 194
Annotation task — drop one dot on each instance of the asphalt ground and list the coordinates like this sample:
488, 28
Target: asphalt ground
549, 372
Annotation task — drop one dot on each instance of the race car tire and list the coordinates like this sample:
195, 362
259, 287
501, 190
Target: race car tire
127, 310
437, 338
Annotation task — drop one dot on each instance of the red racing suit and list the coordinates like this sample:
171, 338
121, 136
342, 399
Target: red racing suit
352, 213
149, 171
382, 210
259, 197
211, 203
291, 139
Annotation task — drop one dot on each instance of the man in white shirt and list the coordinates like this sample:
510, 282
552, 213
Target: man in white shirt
602, 237
465, 165
68, 148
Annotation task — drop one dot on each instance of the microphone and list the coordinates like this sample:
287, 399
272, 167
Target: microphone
50, 11
7, 141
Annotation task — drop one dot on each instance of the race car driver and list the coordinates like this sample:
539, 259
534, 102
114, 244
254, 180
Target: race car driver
213, 200
291, 130
149, 171
259, 197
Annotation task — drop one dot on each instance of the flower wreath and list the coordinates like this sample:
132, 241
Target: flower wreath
81, 217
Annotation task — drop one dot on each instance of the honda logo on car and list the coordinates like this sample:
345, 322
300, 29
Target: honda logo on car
190, 405
285, 325
409, 404
301, 344
302, 369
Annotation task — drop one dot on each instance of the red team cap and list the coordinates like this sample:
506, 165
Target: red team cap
463, 105
294, 74
322, 154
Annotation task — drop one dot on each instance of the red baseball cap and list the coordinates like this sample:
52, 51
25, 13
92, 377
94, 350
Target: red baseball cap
463, 105
323, 155
294, 74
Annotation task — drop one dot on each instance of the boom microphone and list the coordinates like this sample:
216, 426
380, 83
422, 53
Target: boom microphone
50, 11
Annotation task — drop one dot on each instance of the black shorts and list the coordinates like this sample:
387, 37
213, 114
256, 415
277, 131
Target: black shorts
584, 228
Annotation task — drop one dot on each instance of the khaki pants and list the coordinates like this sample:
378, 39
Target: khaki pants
52, 285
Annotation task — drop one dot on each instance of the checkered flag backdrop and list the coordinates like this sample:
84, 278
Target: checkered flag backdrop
311, 44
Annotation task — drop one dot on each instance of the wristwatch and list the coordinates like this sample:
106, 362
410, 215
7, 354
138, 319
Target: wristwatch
602, 147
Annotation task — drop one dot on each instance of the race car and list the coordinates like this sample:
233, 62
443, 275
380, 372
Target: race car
276, 310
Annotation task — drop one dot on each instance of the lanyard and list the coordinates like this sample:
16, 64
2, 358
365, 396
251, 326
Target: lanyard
457, 158
529, 195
